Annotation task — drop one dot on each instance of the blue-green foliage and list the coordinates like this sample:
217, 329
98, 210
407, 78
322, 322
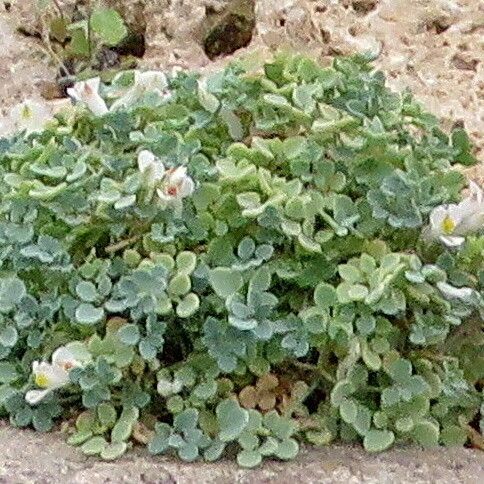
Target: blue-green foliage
299, 254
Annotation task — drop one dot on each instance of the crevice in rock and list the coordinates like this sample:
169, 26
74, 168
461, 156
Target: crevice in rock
364, 7
230, 30
134, 44
438, 25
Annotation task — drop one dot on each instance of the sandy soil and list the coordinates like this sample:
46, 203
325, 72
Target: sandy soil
434, 47
27, 457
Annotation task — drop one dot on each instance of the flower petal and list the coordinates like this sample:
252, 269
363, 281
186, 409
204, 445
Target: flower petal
163, 196
437, 215
52, 376
64, 358
452, 240
175, 176
30, 116
187, 187
148, 161
33, 397
87, 92
145, 159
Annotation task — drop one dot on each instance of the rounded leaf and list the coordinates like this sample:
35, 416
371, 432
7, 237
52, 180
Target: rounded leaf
179, 285
426, 433
108, 24
378, 440
225, 281
114, 451
249, 458
87, 291
129, 334
325, 295
94, 446
186, 262
88, 314
287, 449
188, 305
232, 420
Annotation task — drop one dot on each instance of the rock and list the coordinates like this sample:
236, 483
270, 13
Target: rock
287, 23
28, 13
27, 457
210, 29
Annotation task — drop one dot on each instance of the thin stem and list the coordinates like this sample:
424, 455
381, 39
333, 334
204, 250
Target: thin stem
110, 249
315, 369
59, 9
49, 48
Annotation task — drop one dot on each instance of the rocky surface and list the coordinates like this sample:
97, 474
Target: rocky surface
434, 47
27, 457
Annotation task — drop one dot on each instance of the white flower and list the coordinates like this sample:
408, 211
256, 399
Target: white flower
144, 82
51, 376
451, 292
176, 185
150, 166
30, 116
450, 223
87, 92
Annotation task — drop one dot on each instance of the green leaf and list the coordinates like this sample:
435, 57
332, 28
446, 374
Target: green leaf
378, 440
129, 334
12, 290
325, 295
94, 446
232, 420
106, 414
186, 262
348, 410
87, 291
79, 44
8, 372
121, 431
357, 292
225, 281
249, 458
108, 24
188, 306
88, 314
179, 285
79, 438
453, 436
426, 433
8, 336
188, 452
287, 449
114, 451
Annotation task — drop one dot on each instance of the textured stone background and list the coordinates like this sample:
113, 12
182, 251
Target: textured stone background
28, 457
434, 47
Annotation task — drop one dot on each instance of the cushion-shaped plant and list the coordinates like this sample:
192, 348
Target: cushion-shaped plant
167, 248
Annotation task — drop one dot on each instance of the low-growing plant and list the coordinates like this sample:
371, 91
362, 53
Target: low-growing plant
274, 254
79, 41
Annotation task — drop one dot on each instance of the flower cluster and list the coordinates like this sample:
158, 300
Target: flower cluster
276, 254
174, 183
450, 223
52, 376
145, 83
29, 116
